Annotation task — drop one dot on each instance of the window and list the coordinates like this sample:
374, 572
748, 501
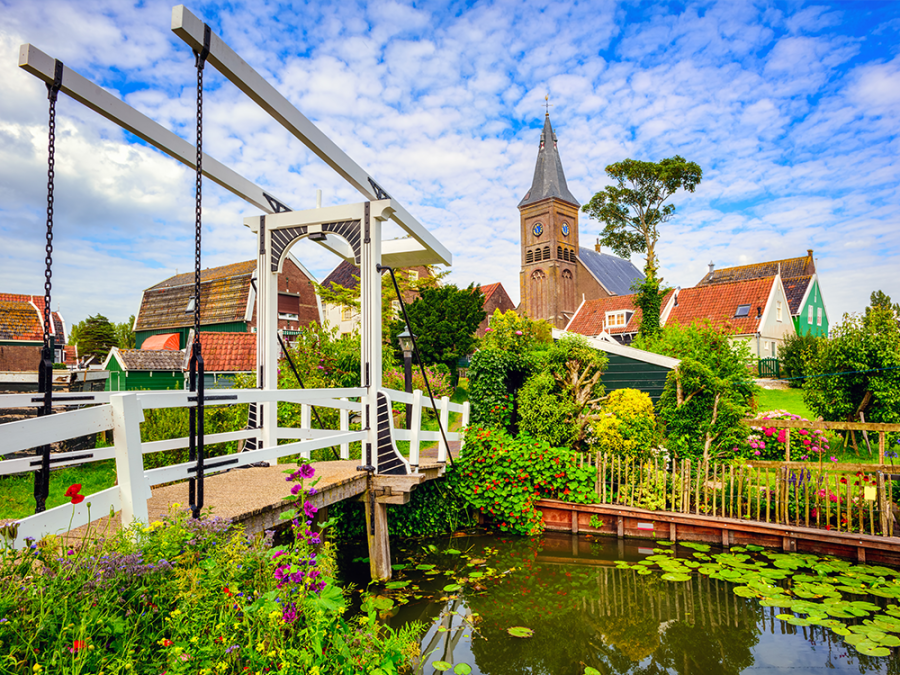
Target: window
529, 258
742, 310
809, 315
618, 319
819, 320
346, 313
774, 349
546, 253
191, 306
766, 345
538, 275
778, 311
559, 252
413, 275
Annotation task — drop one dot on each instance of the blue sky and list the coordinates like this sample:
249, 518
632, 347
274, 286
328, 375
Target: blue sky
790, 108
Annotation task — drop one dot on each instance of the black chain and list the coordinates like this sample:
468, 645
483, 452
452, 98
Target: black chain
45, 369
196, 384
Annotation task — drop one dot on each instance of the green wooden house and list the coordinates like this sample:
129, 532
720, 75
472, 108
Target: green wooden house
131, 369
630, 368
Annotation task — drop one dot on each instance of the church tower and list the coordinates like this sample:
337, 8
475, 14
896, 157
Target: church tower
549, 224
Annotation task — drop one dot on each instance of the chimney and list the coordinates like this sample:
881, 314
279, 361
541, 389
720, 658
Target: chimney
597, 245
677, 291
758, 312
712, 266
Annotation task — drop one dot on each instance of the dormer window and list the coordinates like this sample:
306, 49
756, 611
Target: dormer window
618, 319
191, 306
742, 310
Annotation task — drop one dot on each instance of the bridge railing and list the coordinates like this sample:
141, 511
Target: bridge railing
123, 413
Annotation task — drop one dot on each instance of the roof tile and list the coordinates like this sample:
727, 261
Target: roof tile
229, 352
718, 303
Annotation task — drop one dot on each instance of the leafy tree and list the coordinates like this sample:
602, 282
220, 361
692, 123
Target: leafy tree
793, 355
881, 299
559, 402
409, 289
857, 369
95, 336
632, 211
125, 334
444, 320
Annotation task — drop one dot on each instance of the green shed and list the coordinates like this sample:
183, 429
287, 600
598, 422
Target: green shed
131, 369
631, 368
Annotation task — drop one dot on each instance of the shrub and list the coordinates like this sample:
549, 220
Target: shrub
628, 424
559, 402
438, 377
794, 354
857, 369
503, 476
510, 332
495, 377
702, 412
770, 443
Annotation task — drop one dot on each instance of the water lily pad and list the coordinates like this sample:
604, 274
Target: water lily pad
645, 571
754, 547
854, 639
666, 543
452, 588
744, 592
452, 551
703, 548
396, 584
841, 630
441, 666
520, 632
382, 603
872, 650
591, 671
889, 641
399, 566
462, 669
676, 576
424, 567
476, 575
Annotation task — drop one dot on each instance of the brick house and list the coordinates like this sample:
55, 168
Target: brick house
22, 332
495, 297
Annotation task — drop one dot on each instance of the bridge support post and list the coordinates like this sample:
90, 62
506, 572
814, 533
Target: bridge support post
379, 543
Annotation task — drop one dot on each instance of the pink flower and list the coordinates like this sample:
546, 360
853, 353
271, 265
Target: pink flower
782, 436
833, 458
518, 332
757, 453
489, 330
769, 431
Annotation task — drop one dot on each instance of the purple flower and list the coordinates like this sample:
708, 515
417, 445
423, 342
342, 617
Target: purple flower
232, 648
297, 488
306, 471
290, 614
309, 509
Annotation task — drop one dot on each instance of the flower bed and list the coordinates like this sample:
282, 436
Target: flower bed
770, 443
187, 596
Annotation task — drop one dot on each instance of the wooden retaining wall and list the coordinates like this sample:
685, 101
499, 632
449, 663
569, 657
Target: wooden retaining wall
624, 521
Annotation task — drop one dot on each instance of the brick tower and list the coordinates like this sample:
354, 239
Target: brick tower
549, 221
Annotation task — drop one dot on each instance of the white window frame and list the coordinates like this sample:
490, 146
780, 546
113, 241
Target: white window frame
819, 317
811, 315
618, 318
413, 275
778, 310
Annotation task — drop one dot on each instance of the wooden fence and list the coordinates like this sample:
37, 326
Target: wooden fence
842, 498
850, 427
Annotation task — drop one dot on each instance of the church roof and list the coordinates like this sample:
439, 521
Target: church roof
549, 179
613, 273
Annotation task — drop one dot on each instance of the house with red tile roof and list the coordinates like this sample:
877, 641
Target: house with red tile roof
756, 310
612, 318
22, 332
495, 298
801, 284
227, 302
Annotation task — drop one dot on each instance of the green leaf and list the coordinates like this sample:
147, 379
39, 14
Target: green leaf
452, 588
441, 666
520, 632
591, 671
462, 669
396, 584
676, 576
452, 551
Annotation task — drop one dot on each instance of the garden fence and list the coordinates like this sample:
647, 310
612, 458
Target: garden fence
843, 498
850, 427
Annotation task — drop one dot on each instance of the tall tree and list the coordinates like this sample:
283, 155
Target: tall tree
444, 320
633, 209
125, 335
882, 300
95, 336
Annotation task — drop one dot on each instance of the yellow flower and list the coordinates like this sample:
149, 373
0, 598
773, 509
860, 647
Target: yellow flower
175, 613
38, 667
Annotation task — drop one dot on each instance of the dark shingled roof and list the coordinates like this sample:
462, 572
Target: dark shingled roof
615, 274
789, 267
549, 179
158, 359
223, 298
795, 289
346, 274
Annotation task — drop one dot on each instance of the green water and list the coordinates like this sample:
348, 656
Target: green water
582, 611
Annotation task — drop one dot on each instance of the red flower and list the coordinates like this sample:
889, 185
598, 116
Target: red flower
77, 499
73, 490
166, 642
77, 644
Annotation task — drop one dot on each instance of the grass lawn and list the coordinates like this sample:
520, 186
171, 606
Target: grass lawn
783, 399
17, 492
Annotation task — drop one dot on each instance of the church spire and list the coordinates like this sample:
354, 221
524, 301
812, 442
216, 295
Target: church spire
549, 179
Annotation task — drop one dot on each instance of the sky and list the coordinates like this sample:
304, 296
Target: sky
790, 108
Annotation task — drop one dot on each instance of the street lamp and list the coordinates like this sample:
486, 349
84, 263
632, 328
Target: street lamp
406, 345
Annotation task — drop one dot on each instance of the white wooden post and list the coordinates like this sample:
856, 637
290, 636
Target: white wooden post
133, 488
345, 426
415, 426
445, 423
370, 335
306, 417
466, 410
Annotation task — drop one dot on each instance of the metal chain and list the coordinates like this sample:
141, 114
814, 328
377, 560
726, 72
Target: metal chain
199, 195
51, 175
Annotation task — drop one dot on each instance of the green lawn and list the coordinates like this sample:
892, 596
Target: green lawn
17, 492
783, 399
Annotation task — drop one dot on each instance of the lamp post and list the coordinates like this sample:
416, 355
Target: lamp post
406, 345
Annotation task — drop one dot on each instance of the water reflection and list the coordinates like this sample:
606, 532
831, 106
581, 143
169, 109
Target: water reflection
586, 613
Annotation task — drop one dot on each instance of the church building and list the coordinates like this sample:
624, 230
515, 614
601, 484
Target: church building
557, 273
